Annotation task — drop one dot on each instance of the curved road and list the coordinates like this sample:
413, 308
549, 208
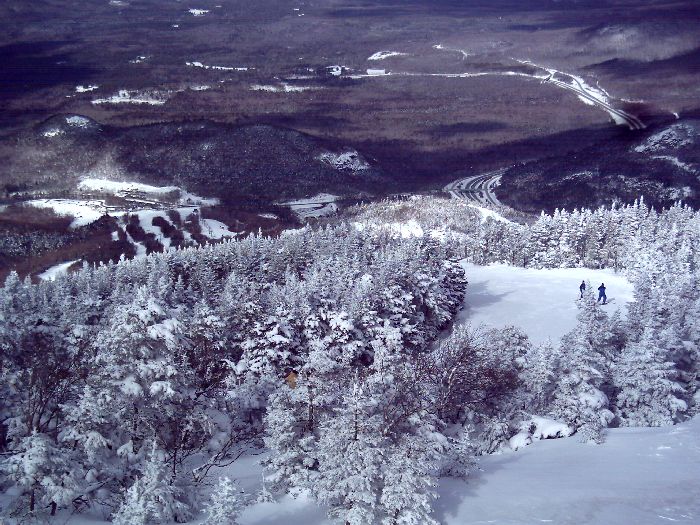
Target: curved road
632, 121
477, 188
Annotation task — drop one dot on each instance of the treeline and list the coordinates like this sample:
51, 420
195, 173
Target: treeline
126, 386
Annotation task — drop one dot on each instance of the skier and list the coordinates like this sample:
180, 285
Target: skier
582, 288
601, 293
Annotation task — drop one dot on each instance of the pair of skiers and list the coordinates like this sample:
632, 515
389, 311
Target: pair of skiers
601, 291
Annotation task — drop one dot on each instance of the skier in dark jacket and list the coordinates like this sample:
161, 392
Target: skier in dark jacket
582, 288
601, 293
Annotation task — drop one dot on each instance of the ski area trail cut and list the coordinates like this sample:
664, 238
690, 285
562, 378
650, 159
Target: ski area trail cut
540, 302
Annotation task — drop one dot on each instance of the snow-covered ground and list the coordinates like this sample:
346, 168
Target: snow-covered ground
86, 89
282, 88
125, 96
59, 269
83, 212
541, 302
381, 55
639, 476
216, 68
320, 205
127, 189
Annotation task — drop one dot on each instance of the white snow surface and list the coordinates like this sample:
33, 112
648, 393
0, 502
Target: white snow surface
639, 476
381, 55
122, 188
83, 212
540, 302
487, 213
216, 68
125, 96
282, 88
126, 189
55, 271
216, 230
85, 89
320, 205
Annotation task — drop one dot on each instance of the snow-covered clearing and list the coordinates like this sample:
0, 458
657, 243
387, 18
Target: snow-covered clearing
381, 55
215, 230
540, 302
404, 230
55, 271
74, 121
489, 214
320, 205
336, 71
282, 88
216, 68
50, 133
639, 476
125, 96
128, 189
83, 212
210, 228
85, 89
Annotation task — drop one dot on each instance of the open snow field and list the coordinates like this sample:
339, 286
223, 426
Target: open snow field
639, 476
541, 302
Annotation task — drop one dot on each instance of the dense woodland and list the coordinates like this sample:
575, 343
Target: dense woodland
331, 350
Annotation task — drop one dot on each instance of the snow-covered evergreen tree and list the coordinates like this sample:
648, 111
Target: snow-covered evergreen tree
648, 394
225, 504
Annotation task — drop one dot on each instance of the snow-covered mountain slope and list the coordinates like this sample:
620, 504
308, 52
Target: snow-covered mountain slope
540, 302
639, 476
